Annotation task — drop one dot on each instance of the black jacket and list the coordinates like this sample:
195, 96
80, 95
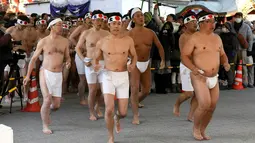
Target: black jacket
5, 46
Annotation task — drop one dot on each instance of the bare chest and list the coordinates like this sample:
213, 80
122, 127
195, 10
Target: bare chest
17, 35
116, 47
142, 39
92, 39
207, 46
51, 48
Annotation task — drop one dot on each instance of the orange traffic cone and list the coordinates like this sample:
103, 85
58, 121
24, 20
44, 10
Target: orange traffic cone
238, 85
33, 99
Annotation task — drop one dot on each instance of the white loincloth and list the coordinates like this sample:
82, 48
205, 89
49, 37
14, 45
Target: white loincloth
185, 78
92, 76
53, 82
116, 83
142, 66
79, 65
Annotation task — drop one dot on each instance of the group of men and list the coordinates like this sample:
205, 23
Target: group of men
117, 60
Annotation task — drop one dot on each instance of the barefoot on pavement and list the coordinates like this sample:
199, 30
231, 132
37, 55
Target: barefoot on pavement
117, 124
176, 111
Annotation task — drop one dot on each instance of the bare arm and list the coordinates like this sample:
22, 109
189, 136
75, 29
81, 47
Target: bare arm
80, 44
157, 19
186, 54
75, 35
132, 52
159, 46
67, 54
98, 52
223, 56
36, 54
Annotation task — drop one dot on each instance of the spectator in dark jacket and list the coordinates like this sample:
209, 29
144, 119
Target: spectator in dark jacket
230, 45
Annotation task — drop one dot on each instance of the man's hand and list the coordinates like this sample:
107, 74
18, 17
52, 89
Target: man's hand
26, 80
97, 67
68, 65
131, 67
162, 64
226, 66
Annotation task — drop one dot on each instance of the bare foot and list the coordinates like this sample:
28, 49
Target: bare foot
197, 134
176, 110
92, 118
205, 137
99, 113
111, 140
47, 131
117, 124
84, 102
190, 119
140, 105
136, 121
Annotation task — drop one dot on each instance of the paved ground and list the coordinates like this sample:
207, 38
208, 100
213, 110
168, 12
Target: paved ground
233, 122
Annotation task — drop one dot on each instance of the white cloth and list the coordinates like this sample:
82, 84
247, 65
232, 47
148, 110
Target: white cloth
142, 66
185, 78
79, 65
212, 81
92, 76
116, 83
54, 82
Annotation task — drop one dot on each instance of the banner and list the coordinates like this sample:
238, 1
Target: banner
77, 8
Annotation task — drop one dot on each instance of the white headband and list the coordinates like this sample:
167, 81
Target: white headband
42, 22
206, 17
54, 22
125, 18
98, 16
188, 19
114, 18
88, 15
135, 10
21, 22
105, 17
80, 19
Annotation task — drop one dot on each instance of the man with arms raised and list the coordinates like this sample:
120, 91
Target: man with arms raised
115, 49
141, 75
190, 23
195, 56
74, 37
90, 38
55, 50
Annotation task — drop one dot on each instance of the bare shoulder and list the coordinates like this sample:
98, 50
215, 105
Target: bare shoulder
128, 39
216, 36
10, 29
64, 40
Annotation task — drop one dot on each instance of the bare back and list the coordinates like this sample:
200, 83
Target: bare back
143, 39
54, 52
115, 52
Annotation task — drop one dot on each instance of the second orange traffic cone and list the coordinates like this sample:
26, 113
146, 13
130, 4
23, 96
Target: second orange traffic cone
238, 85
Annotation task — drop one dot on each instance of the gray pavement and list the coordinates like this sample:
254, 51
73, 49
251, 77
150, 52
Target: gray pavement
233, 122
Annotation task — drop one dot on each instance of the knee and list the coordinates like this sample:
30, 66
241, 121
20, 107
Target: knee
109, 111
47, 101
204, 106
92, 91
122, 114
146, 91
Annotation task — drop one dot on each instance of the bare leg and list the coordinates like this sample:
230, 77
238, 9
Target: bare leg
109, 112
45, 109
193, 107
97, 107
26, 87
214, 99
65, 77
81, 90
92, 99
121, 113
135, 81
204, 101
182, 97
145, 84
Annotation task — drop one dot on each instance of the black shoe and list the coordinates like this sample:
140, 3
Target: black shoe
250, 86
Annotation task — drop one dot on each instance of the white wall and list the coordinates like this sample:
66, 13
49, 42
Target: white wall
37, 8
107, 5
